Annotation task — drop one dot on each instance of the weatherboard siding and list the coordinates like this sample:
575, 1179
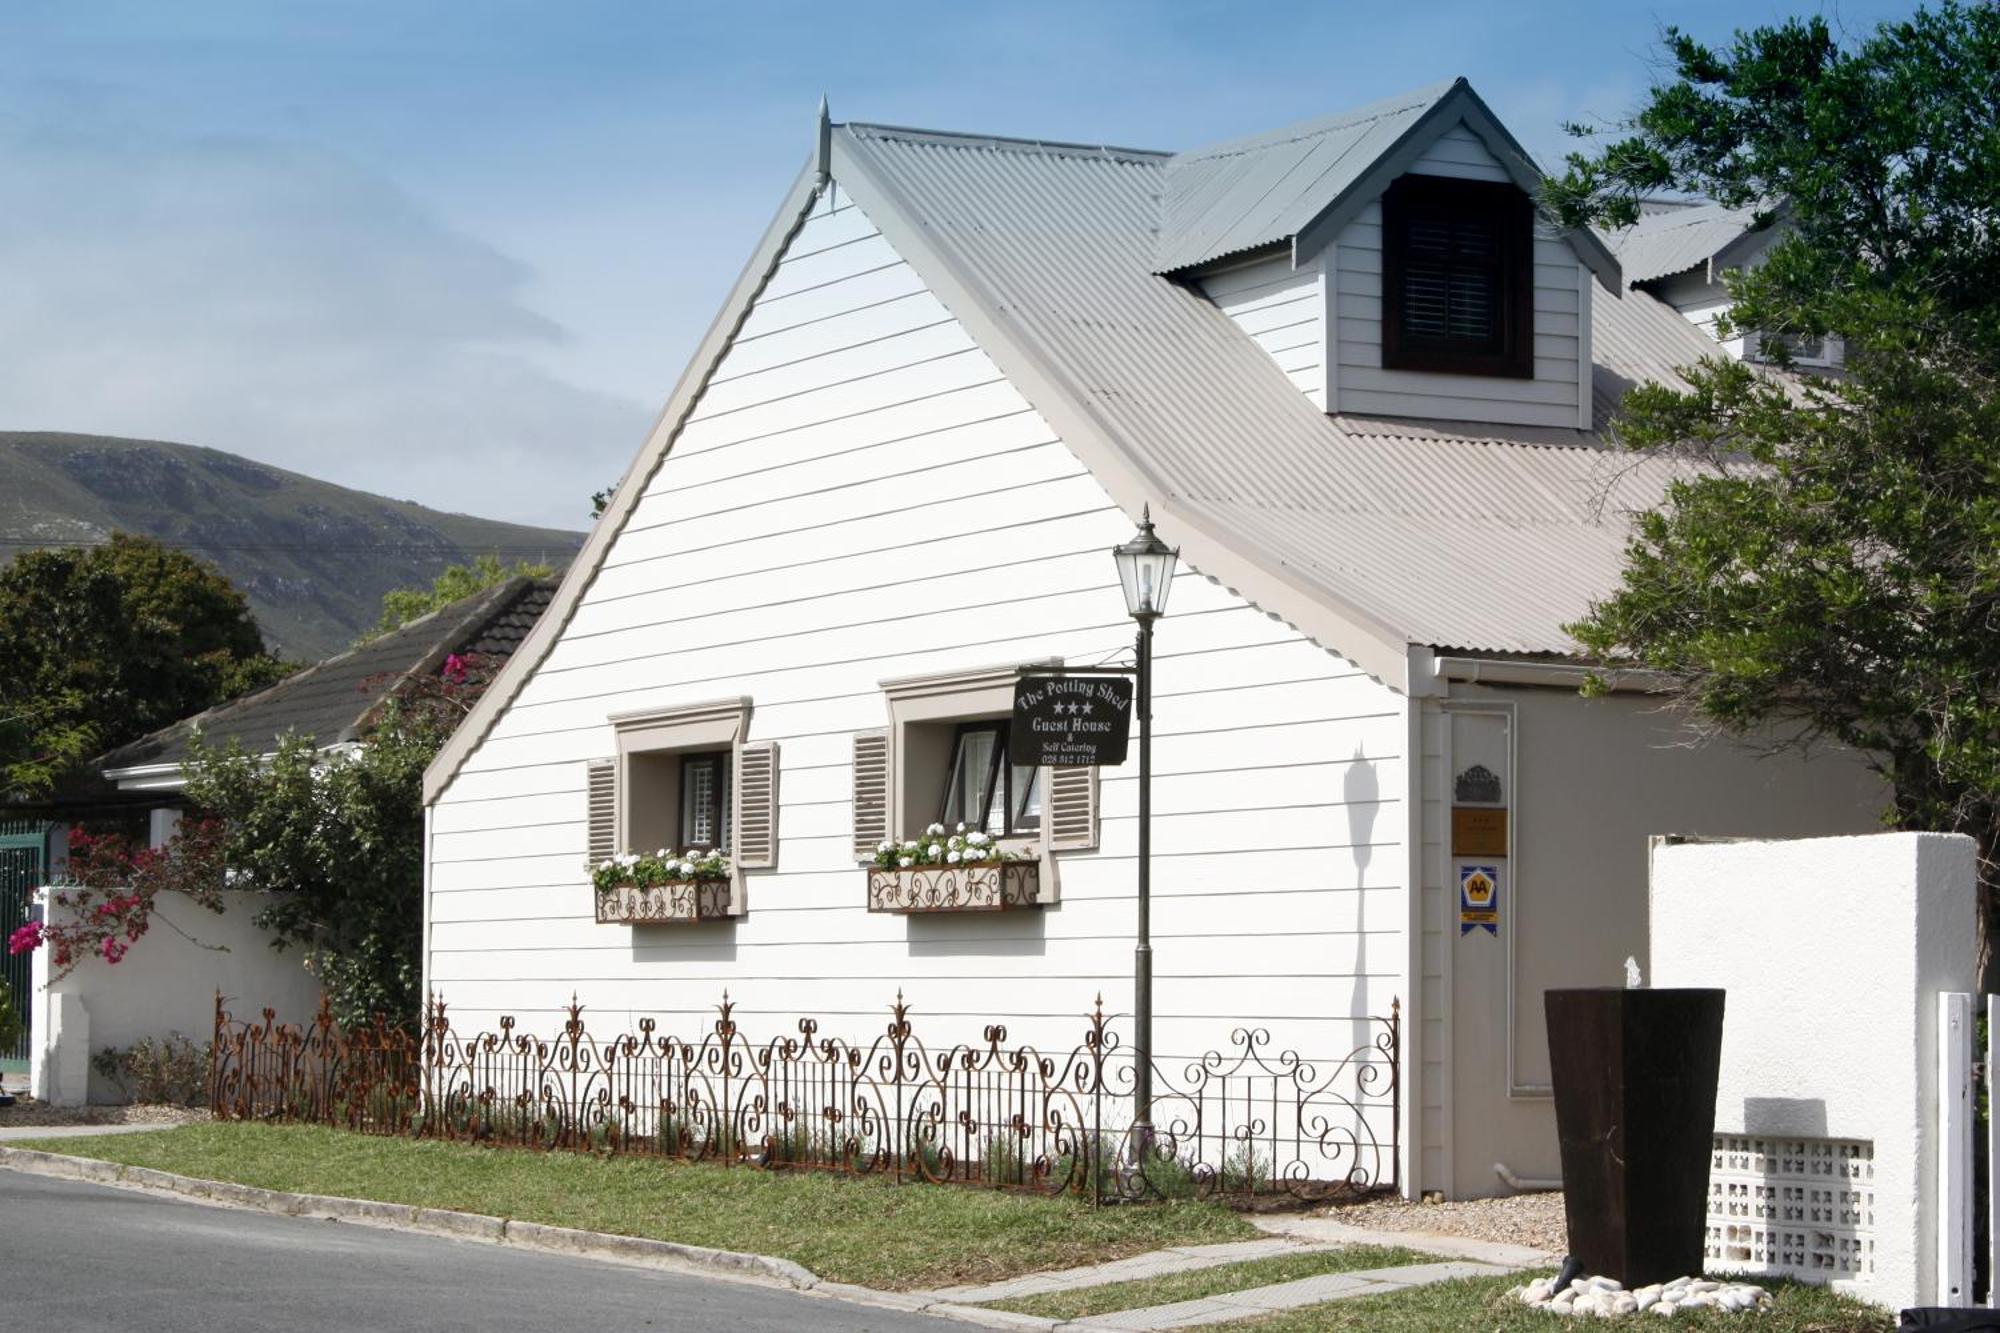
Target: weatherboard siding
859, 495
1283, 310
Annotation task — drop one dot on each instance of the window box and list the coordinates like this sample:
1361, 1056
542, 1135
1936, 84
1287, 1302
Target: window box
682, 903
990, 887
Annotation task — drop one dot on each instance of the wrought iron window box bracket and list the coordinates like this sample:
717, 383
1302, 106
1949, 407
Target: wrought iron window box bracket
684, 902
996, 887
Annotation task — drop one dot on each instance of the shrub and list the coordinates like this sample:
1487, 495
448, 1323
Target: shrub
169, 1070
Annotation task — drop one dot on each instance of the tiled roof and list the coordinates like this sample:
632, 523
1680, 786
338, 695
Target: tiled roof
333, 700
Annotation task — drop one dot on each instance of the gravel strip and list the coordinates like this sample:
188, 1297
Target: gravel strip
27, 1113
1517, 1219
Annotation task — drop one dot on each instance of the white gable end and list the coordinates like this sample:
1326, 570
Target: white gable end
860, 495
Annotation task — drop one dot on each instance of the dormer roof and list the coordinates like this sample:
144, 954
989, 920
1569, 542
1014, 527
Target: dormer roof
1300, 185
1660, 245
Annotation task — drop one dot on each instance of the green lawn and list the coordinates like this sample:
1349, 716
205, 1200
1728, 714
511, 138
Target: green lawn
1483, 1304
844, 1229
1188, 1286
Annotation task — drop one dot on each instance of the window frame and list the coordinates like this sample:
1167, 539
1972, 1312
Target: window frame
1514, 265
1000, 772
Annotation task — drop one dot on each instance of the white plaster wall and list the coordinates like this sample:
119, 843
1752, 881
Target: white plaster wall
1833, 951
165, 985
861, 495
1594, 780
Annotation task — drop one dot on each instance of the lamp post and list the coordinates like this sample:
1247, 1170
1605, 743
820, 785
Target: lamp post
1146, 571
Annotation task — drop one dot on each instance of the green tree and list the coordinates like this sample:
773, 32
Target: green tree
106, 643
1829, 568
337, 839
400, 606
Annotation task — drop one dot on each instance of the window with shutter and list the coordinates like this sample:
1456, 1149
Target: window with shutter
1457, 277
756, 830
601, 810
871, 792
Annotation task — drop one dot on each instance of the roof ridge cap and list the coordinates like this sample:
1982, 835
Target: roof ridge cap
871, 129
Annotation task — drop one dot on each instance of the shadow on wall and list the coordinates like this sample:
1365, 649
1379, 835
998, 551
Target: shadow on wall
700, 942
952, 936
1361, 789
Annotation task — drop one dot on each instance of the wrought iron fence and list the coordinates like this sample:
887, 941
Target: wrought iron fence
1238, 1120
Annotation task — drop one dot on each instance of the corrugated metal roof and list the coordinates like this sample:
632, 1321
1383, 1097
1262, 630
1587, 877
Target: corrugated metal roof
1258, 191
333, 700
1485, 538
1662, 244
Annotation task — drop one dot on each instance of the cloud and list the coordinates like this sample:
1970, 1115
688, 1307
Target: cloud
281, 301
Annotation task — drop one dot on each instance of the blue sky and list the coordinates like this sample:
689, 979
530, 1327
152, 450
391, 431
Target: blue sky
459, 252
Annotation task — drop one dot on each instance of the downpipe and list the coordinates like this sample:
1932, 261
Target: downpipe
1523, 1184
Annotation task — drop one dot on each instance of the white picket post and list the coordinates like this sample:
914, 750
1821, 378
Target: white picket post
1954, 1154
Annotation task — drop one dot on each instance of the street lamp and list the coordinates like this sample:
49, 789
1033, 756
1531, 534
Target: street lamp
1146, 570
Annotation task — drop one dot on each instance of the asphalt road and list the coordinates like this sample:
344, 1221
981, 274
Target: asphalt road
80, 1258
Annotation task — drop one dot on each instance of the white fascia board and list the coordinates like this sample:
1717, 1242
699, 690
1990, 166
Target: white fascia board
1279, 590
147, 777
666, 429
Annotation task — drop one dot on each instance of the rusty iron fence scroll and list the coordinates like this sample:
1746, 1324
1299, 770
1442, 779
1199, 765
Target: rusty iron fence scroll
1239, 1120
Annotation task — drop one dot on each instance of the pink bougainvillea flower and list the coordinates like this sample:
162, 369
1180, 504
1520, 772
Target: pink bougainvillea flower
26, 939
454, 668
112, 950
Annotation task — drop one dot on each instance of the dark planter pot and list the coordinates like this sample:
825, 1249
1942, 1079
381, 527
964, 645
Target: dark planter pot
1634, 1075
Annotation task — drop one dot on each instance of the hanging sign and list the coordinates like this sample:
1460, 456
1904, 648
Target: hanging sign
1479, 899
1070, 721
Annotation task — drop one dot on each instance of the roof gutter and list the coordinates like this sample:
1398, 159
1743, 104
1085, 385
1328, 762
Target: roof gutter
1550, 675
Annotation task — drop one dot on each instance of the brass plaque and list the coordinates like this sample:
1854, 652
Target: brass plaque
1476, 831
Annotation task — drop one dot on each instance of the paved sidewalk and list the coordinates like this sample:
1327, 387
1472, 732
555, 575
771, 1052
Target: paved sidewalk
15, 1133
1459, 1258
1284, 1296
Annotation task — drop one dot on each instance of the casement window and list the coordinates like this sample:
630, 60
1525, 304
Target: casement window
705, 806
985, 790
944, 759
686, 778
1457, 277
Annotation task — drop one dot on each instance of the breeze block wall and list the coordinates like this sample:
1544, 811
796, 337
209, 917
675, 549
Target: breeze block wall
1833, 952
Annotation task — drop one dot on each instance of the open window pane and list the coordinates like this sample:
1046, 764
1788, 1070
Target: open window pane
1027, 799
969, 791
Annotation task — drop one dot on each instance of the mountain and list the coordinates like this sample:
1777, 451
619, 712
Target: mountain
314, 558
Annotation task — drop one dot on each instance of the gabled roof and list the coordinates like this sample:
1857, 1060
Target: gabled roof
1380, 540
1660, 245
335, 701
1302, 184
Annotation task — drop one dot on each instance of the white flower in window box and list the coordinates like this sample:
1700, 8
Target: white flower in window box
666, 888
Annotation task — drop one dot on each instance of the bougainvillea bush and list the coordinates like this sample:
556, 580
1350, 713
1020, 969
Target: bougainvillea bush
109, 894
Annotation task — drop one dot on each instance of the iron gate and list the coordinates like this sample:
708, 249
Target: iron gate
21, 847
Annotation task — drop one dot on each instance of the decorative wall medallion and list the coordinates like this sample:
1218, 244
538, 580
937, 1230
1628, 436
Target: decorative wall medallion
1478, 785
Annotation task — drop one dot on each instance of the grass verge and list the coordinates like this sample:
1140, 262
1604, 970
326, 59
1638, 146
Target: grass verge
1086, 1301
1483, 1304
846, 1229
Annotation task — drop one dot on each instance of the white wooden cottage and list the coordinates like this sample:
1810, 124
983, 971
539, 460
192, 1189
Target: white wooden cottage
1360, 384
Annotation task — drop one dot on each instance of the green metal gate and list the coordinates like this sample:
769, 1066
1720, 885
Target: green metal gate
23, 844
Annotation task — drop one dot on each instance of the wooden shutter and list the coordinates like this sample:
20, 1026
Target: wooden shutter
871, 792
756, 829
1072, 806
601, 802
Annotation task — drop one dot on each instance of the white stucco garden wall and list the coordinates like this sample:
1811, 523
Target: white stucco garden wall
1833, 952
165, 985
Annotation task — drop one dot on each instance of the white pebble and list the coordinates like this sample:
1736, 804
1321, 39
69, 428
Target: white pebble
1624, 1303
1666, 1308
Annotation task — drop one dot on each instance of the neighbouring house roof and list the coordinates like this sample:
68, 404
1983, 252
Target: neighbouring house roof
334, 701
1660, 245
1382, 540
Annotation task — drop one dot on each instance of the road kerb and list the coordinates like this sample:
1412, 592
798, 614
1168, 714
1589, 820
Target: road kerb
733, 1265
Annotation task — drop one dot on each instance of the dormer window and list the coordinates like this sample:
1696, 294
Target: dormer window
1457, 277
